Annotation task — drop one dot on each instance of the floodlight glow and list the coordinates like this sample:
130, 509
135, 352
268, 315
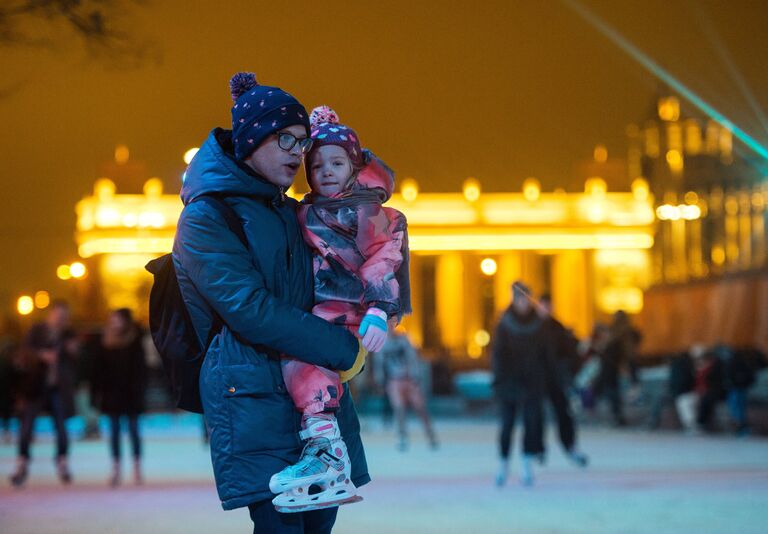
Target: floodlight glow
642, 58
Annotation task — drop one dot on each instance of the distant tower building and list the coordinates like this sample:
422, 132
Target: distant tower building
710, 201
127, 221
710, 198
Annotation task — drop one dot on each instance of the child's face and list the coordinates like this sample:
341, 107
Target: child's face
330, 170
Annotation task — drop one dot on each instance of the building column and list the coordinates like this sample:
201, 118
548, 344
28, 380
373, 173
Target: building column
412, 323
449, 293
572, 300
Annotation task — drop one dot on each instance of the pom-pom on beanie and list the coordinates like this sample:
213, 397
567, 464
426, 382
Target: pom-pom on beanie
260, 111
328, 130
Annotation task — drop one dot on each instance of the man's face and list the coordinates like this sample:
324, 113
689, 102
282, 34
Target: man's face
521, 304
278, 166
58, 317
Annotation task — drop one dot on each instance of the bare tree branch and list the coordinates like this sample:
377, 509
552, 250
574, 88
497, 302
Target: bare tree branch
95, 22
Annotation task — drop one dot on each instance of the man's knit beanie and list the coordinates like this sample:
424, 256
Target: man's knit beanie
260, 111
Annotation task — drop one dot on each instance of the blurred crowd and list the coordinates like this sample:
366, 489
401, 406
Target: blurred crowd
52, 369
538, 366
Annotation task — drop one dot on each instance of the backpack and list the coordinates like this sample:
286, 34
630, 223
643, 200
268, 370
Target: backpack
171, 325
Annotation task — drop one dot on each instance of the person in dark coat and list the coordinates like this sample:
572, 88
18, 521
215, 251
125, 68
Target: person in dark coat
562, 363
46, 383
9, 345
710, 386
740, 375
520, 348
119, 384
618, 354
263, 292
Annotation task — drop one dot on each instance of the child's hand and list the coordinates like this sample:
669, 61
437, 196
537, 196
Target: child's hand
373, 329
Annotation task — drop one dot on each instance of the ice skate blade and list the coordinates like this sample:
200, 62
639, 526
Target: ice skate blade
308, 507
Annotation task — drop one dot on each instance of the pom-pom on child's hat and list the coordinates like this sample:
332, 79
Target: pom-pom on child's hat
259, 111
328, 130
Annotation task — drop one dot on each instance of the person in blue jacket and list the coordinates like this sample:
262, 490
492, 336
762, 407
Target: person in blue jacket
263, 292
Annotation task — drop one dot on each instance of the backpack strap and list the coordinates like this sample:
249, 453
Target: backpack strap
218, 203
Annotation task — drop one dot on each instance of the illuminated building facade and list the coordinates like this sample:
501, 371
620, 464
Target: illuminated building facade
590, 250
709, 255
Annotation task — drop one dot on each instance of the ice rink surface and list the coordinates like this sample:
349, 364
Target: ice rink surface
637, 482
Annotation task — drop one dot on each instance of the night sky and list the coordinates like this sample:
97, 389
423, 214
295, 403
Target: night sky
498, 90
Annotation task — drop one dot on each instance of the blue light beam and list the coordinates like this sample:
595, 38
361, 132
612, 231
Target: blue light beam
655, 69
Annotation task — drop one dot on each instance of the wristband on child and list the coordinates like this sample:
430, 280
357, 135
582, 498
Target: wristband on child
374, 317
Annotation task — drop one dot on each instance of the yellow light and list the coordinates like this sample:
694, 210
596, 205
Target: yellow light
675, 160
77, 270
42, 299
718, 255
153, 188
600, 154
531, 189
189, 154
104, 189
62, 272
726, 145
691, 197
25, 305
482, 338
668, 212
652, 141
595, 186
758, 202
471, 189
107, 216
612, 299
669, 108
692, 137
127, 245
151, 219
640, 189
488, 266
474, 351
122, 154
130, 220
409, 189
690, 212
507, 240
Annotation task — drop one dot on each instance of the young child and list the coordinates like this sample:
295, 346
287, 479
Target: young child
361, 281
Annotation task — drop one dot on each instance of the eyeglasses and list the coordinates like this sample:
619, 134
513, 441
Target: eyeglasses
287, 141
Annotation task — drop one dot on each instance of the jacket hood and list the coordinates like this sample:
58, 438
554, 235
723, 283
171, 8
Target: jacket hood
376, 175
214, 169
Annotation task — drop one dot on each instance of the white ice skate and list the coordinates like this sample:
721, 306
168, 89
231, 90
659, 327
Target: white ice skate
321, 478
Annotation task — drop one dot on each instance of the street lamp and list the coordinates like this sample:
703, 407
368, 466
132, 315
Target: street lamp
471, 189
488, 266
77, 270
42, 299
25, 305
63, 273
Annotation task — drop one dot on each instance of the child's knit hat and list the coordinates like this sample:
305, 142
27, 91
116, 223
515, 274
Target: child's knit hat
327, 130
260, 111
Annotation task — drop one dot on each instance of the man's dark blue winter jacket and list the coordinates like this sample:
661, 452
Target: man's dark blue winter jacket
262, 293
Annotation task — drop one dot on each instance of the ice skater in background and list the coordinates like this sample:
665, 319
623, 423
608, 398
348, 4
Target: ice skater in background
361, 281
402, 368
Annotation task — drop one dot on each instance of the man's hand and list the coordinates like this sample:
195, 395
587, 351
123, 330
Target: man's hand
373, 329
